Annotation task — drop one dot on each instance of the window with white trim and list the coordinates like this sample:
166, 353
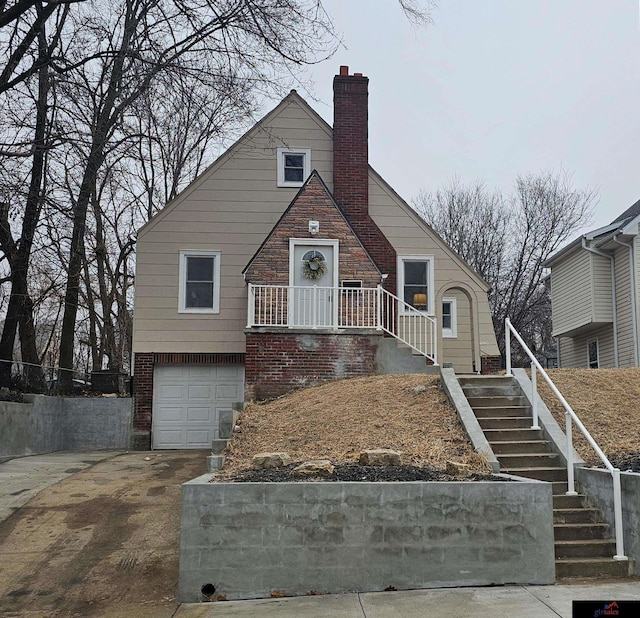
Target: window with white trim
593, 354
449, 318
294, 166
199, 282
415, 281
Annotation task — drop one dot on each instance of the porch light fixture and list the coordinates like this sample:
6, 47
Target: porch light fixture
314, 227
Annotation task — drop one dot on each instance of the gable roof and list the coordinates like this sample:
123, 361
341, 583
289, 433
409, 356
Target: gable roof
313, 178
619, 225
628, 214
292, 97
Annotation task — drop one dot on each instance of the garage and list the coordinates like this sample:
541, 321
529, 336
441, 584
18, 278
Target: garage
187, 401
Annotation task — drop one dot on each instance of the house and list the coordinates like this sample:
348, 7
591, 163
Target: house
594, 295
290, 262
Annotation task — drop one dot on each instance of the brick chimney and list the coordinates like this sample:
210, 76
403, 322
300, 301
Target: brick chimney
351, 168
351, 143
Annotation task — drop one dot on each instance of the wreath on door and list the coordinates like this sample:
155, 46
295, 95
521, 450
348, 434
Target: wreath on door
314, 265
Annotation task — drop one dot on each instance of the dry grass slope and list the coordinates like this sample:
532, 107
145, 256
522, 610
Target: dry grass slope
607, 401
337, 420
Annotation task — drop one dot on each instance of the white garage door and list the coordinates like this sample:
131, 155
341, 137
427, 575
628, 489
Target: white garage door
187, 401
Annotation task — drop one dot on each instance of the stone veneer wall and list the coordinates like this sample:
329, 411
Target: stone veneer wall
278, 362
249, 540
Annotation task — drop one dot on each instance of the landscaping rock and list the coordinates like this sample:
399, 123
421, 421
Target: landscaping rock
380, 457
421, 388
456, 468
262, 461
321, 467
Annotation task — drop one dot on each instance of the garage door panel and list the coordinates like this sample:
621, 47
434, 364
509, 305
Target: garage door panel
200, 374
200, 392
227, 391
228, 373
174, 391
187, 401
169, 414
200, 414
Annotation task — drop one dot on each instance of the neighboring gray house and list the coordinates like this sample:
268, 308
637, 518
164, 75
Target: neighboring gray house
595, 295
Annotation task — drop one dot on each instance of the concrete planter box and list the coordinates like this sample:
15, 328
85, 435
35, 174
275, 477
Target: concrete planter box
598, 485
250, 539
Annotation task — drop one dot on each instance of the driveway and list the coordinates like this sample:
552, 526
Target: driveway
101, 542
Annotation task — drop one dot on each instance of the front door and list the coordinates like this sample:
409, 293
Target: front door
313, 278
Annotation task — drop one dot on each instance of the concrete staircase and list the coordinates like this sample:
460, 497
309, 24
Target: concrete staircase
583, 542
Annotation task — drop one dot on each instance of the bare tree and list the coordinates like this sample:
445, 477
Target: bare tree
507, 241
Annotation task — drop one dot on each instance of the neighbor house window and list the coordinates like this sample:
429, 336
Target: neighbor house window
294, 166
199, 282
449, 318
415, 281
592, 347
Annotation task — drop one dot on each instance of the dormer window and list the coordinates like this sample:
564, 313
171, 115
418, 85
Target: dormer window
294, 166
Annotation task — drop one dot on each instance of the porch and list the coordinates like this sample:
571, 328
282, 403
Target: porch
342, 309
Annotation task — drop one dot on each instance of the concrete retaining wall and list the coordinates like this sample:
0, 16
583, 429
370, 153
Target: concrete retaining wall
598, 485
250, 539
50, 424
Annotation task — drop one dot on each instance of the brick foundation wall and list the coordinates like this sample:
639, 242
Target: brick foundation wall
144, 363
280, 362
490, 364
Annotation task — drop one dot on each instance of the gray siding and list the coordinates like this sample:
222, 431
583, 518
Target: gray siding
573, 350
571, 300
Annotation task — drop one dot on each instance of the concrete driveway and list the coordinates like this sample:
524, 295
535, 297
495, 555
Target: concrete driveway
103, 541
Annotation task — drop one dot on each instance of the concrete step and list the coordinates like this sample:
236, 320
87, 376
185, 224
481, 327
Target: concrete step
562, 501
505, 390
540, 473
498, 401
512, 435
581, 532
592, 567
558, 488
502, 411
214, 462
590, 548
528, 460
217, 446
485, 379
523, 446
505, 422
580, 515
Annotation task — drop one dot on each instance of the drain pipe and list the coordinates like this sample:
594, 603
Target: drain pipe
613, 294
632, 286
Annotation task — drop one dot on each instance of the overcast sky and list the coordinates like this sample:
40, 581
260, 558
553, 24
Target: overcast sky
497, 88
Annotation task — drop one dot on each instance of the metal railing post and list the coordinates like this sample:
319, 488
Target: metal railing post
250, 306
507, 345
534, 397
571, 485
617, 512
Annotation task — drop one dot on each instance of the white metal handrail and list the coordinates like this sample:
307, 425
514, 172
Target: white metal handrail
570, 415
342, 307
404, 322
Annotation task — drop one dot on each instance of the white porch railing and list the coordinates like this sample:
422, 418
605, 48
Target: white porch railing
570, 416
316, 307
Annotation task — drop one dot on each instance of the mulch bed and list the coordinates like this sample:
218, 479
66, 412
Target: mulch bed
351, 472
629, 462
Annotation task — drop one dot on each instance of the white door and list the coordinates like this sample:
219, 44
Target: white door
187, 401
312, 268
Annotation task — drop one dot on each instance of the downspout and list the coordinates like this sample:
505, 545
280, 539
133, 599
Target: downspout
632, 285
613, 294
